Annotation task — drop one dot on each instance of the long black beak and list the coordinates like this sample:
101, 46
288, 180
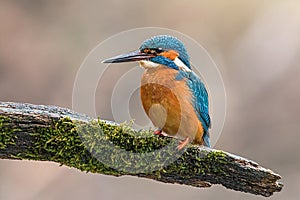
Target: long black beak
129, 57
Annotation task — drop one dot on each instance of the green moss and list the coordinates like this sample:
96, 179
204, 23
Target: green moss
212, 161
125, 137
192, 164
95, 146
61, 143
78, 145
7, 136
125, 149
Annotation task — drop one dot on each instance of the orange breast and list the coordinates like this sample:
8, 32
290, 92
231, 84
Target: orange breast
167, 102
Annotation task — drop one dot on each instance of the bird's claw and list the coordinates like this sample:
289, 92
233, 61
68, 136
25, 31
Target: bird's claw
158, 132
183, 143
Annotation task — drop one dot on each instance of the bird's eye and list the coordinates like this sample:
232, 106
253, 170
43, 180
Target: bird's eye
152, 51
159, 50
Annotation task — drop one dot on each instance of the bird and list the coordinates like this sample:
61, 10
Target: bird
172, 94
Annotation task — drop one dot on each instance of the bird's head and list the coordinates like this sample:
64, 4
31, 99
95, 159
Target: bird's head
158, 50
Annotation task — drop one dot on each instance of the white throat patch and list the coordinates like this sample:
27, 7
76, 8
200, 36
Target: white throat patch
148, 64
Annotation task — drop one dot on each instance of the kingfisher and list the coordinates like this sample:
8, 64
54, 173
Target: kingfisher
173, 96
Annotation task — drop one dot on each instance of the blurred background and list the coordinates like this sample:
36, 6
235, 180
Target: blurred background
256, 45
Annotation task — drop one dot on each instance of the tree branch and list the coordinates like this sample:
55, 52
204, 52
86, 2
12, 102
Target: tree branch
50, 133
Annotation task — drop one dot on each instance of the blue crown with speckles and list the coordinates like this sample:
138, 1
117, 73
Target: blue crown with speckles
167, 42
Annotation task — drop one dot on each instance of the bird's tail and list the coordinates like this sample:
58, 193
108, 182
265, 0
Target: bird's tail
206, 139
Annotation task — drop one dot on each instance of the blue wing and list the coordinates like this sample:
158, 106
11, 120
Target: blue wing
200, 101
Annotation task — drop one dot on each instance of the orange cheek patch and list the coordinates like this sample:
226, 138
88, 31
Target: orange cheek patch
170, 54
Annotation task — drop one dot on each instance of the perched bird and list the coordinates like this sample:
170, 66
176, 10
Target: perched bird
173, 96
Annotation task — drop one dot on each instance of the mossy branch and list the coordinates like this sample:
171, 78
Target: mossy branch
49, 133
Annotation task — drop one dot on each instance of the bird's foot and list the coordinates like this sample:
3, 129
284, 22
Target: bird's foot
183, 143
158, 132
